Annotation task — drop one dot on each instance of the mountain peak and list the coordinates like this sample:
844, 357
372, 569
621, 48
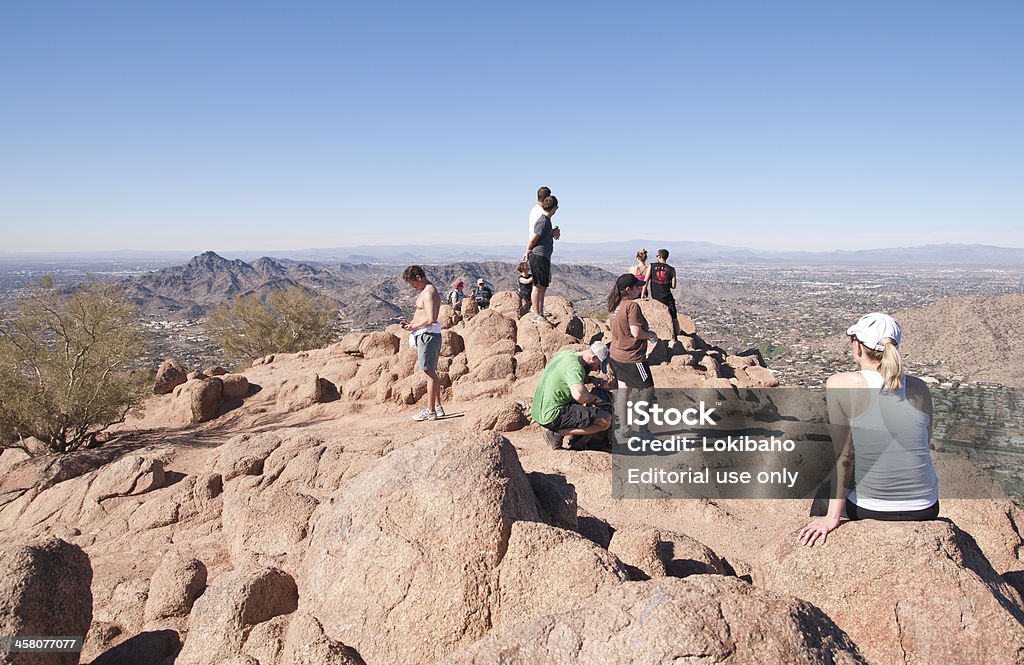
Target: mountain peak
209, 259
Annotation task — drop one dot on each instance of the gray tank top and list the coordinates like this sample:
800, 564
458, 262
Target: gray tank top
892, 462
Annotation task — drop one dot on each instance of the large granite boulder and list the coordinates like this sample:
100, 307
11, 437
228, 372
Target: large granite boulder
400, 559
919, 592
701, 619
45, 592
169, 376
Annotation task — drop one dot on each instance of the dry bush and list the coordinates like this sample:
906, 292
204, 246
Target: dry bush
67, 365
290, 320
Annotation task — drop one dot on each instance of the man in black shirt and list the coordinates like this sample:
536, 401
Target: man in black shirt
663, 280
538, 255
482, 293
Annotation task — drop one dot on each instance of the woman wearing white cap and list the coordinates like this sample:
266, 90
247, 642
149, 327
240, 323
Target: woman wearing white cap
883, 418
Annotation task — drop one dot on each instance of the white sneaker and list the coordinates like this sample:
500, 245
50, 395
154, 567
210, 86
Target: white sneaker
425, 414
439, 411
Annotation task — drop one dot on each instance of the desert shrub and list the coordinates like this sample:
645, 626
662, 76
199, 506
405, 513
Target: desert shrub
67, 365
289, 320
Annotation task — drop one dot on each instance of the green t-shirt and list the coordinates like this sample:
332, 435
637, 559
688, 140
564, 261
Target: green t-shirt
564, 370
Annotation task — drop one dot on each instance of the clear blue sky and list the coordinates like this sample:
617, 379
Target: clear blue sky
258, 125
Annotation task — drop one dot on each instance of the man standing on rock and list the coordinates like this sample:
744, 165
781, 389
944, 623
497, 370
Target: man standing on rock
563, 404
536, 211
538, 255
663, 280
425, 337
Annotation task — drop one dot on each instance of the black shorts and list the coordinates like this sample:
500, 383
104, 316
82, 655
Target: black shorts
668, 301
854, 512
575, 416
540, 266
634, 375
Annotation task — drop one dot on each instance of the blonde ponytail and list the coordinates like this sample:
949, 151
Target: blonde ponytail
891, 367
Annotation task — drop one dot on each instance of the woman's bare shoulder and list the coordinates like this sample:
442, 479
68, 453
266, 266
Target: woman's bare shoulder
846, 380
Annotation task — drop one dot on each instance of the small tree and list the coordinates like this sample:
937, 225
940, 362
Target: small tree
292, 319
67, 365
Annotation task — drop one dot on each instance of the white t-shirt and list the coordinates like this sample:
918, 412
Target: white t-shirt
535, 212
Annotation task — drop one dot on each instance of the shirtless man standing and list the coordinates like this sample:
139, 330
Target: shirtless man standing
425, 337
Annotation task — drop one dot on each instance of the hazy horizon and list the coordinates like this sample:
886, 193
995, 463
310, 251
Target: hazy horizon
953, 256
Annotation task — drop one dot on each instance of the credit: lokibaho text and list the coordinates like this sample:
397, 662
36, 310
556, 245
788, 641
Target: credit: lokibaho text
730, 444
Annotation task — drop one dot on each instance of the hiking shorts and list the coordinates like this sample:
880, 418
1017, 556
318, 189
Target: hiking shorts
575, 416
634, 375
428, 348
855, 512
540, 266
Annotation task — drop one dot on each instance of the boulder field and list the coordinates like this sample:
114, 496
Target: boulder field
292, 513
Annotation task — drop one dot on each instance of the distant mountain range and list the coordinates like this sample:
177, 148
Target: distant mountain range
951, 255
365, 294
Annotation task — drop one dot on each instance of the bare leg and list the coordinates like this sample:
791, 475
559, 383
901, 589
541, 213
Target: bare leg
537, 296
621, 398
433, 389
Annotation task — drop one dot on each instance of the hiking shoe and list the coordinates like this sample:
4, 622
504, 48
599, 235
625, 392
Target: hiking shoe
439, 411
425, 414
553, 439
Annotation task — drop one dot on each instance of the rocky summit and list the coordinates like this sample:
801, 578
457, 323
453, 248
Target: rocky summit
292, 513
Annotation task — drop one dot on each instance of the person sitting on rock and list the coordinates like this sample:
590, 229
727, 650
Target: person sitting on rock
882, 418
456, 296
563, 405
630, 335
482, 293
525, 283
662, 281
642, 272
425, 337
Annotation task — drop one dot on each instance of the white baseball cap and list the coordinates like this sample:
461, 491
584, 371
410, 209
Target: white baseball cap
480, 281
872, 328
600, 350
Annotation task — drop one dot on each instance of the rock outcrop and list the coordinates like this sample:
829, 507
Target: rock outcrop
45, 592
509, 417
176, 584
401, 558
906, 591
169, 376
650, 553
705, 618
229, 613
547, 570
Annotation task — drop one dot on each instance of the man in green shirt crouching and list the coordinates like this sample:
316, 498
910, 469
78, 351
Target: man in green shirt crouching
563, 405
